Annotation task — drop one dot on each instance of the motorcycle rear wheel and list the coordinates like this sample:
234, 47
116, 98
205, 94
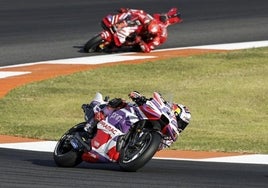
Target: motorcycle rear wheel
93, 44
133, 158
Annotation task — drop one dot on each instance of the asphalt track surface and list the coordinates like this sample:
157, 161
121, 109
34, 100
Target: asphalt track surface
37, 169
33, 31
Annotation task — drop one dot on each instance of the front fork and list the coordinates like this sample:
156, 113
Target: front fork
132, 137
107, 38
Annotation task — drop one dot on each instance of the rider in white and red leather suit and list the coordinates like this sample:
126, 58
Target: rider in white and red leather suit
154, 28
135, 22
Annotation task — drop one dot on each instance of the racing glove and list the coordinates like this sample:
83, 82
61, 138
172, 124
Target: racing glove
137, 98
144, 47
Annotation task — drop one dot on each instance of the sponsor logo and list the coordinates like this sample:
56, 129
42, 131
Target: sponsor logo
108, 127
116, 116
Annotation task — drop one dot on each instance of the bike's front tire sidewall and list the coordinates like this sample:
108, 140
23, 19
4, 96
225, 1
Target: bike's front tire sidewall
144, 157
93, 44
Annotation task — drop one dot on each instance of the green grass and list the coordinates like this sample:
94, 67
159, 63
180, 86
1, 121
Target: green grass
226, 93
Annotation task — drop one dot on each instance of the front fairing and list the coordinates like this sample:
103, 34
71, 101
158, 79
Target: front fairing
154, 108
159, 109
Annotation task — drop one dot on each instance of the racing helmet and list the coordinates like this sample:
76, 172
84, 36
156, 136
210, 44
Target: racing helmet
174, 12
174, 16
182, 114
171, 17
163, 18
153, 27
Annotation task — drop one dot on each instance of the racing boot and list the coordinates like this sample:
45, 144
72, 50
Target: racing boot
91, 129
89, 134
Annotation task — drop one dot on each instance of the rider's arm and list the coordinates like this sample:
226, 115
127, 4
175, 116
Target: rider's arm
137, 98
140, 15
123, 10
147, 47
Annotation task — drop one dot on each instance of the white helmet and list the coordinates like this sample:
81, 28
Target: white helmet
183, 115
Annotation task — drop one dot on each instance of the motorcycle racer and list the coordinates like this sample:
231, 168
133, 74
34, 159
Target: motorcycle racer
96, 112
134, 22
154, 28
182, 113
134, 29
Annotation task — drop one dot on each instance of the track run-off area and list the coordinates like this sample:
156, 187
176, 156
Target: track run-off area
17, 75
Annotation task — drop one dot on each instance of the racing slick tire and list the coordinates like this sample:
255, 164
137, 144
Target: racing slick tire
131, 159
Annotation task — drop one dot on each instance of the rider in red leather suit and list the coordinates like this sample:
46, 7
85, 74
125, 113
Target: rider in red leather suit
153, 27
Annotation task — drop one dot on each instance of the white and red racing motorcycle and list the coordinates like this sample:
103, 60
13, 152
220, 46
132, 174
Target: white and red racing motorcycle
129, 136
121, 30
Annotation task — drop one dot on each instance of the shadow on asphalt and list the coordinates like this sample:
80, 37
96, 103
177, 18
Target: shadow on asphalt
83, 165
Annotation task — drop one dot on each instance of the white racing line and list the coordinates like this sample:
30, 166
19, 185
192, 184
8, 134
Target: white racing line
112, 58
5, 74
48, 146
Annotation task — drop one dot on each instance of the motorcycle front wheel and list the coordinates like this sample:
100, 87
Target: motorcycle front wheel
93, 45
135, 156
